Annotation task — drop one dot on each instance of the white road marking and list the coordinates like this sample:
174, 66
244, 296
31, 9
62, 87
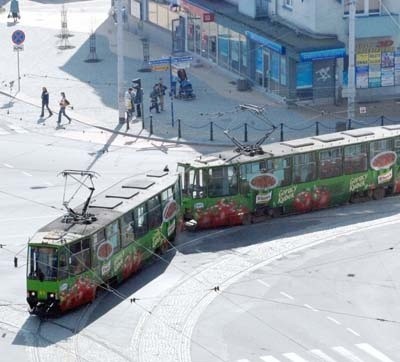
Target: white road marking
17, 129
322, 355
243, 360
287, 295
26, 173
333, 320
3, 132
48, 183
353, 332
265, 284
373, 352
7, 165
311, 307
294, 357
268, 359
346, 353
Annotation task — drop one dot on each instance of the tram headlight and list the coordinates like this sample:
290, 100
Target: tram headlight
51, 295
32, 293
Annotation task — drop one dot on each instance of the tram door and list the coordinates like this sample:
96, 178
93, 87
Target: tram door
267, 62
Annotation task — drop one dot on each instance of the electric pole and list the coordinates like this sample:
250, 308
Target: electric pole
351, 71
120, 61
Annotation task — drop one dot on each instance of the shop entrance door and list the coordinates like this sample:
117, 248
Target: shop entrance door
266, 61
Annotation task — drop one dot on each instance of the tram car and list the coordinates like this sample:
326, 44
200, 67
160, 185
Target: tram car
80, 252
296, 176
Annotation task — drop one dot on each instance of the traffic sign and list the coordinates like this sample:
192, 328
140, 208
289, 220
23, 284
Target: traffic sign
18, 48
160, 67
18, 37
169, 60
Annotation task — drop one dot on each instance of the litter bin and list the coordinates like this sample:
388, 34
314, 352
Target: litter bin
242, 85
340, 126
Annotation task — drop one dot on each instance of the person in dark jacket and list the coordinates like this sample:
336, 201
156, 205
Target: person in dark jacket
154, 98
138, 100
14, 10
45, 102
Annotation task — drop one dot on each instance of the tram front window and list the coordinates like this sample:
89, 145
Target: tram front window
42, 263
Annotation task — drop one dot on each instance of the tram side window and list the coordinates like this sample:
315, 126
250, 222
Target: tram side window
222, 181
380, 146
185, 176
140, 217
279, 167
397, 149
127, 225
177, 192
112, 234
79, 259
355, 159
196, 183
330, 163
154, 212
304, 167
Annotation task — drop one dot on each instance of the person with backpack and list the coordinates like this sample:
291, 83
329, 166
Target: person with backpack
45, 102
63, 104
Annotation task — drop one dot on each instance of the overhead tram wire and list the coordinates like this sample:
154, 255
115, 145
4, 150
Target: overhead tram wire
30, 200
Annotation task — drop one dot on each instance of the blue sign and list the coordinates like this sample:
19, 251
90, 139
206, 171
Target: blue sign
323, 54
18, 37
266, 42
304, 75
168, 60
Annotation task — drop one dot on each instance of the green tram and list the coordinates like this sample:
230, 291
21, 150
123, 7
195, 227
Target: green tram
73, 256
293, 176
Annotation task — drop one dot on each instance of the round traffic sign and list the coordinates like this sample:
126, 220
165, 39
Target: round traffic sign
18, 37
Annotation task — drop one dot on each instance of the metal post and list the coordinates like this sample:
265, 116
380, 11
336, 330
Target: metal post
211, 131
15, 262
245, 132
317, 128
349, 124
179, 129
351, 70
382, 120
120, 62
151, 124
142, 120
171, 95
19, 76
281, 132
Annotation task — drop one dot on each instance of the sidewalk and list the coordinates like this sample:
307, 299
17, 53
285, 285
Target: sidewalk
92, 88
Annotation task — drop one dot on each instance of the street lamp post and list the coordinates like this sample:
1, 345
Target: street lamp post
351, 73
120, 61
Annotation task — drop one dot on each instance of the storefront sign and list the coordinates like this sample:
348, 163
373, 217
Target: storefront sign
195, 9
266, 42
323, 54
208, 18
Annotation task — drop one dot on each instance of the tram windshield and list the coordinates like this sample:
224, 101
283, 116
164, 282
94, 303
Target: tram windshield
42, 263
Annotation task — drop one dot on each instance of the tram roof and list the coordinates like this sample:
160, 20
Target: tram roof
302, 145
107, 206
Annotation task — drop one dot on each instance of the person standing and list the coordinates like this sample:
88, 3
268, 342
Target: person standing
161, 93
63, 104
154, 98
129, 107
45, 102
14, 10
138, 100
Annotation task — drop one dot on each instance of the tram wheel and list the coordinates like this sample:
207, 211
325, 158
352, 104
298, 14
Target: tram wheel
378, 194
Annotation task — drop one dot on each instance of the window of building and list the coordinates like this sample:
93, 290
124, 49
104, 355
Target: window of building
364, 7
288, 3
330, 163
304, 167
355, 159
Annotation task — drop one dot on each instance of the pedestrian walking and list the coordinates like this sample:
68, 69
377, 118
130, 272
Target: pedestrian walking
138, 100
129, 106
154, 98
63, 104
45, 102
14, 10
161, 93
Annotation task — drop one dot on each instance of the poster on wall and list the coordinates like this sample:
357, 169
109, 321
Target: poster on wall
362, 76
374, 70
387, 77
362, 59
387, 60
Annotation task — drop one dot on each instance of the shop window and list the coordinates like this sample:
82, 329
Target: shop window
355, 159
304, 167
112, 235
140, 217
154, 212
222, 181
223, 46
364, 7
234, 47
127, 226
330, 163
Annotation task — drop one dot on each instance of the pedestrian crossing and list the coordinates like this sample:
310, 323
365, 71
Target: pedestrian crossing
11, 129
360, 352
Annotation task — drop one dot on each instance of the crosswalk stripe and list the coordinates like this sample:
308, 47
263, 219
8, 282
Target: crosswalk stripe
17, 129
294, 357
269, 359
373, 352
346, 353
243, 360
322, 355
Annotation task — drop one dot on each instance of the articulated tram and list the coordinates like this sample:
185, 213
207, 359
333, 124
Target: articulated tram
293, 176
73, 256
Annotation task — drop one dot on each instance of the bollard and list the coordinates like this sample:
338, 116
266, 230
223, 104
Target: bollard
211, 131
281, 132
15, 262
142, 120
245, 132
349, 124
151, 124
317, 128
382, 120
179, 129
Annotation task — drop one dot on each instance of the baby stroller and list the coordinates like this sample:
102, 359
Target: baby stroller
186, 90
